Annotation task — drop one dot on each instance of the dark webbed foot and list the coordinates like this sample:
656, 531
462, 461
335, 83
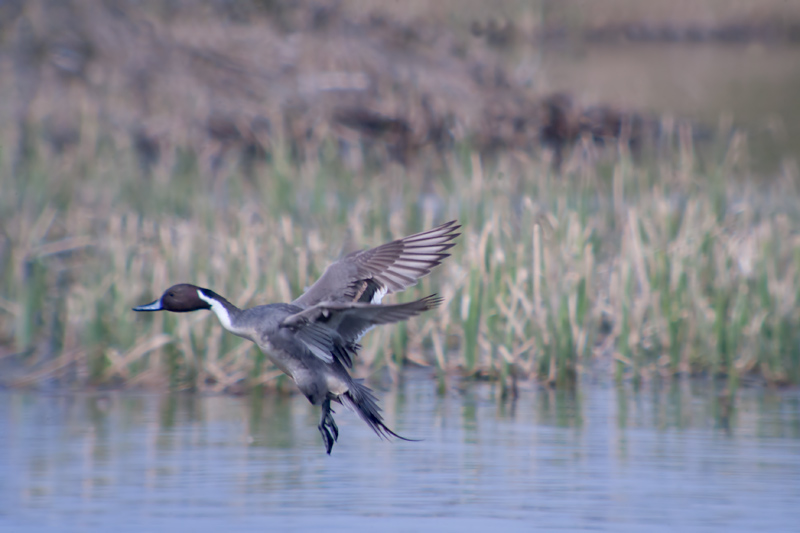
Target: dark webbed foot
326, 438
327, 425
331, 424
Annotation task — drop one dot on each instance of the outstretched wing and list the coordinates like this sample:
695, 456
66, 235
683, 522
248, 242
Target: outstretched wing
323, 342
368, 275
349, 321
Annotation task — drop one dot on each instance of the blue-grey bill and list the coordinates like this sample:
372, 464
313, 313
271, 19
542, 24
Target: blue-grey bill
155, 306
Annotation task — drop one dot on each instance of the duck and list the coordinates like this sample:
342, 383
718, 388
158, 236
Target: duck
314, 338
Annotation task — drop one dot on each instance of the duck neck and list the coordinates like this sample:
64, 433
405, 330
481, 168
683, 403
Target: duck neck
226, 312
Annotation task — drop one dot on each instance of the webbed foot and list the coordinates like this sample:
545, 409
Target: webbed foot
327, 426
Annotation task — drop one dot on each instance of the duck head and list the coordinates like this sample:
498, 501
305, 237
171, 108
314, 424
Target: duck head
180, 298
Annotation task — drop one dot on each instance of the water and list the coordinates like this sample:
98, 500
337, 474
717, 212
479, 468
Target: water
606, 459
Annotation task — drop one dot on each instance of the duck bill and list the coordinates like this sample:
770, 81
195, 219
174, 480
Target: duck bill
155, 306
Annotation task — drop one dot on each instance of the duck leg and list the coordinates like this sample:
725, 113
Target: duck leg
327, 425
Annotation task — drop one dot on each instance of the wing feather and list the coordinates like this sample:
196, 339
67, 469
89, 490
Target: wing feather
323, 342
352, 319
391, 267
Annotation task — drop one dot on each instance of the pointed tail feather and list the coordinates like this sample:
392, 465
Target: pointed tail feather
362, 401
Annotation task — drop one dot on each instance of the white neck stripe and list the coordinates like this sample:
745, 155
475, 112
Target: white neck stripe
219, 310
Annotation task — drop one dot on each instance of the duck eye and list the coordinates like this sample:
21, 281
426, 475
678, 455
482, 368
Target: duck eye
172, 295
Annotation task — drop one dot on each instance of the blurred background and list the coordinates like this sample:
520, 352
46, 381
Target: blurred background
622, 309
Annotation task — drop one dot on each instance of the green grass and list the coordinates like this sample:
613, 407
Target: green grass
661, 269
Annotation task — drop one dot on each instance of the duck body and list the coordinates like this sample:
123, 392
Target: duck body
316, 378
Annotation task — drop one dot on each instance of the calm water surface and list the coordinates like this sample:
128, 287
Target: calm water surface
604, 459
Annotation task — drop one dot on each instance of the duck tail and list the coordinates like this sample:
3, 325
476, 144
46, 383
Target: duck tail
362, 401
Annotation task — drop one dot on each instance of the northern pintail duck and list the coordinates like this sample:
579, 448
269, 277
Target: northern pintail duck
314, 338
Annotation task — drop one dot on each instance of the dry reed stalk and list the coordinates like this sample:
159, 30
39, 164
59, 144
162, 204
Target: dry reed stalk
46, 371
119, 363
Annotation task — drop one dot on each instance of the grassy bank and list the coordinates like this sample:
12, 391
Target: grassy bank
625, 270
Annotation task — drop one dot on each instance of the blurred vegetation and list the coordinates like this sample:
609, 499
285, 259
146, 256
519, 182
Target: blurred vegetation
669, 268
153, 147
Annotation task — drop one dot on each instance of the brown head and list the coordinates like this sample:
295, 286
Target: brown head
180, 298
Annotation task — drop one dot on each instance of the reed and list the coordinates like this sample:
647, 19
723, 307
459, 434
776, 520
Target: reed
657, 269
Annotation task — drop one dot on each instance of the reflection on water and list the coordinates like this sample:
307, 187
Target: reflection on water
606, 458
